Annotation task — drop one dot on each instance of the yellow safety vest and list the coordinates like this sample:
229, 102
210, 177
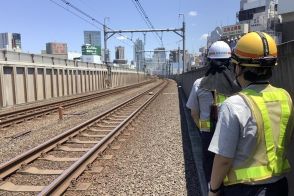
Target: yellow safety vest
205, 123
271, 109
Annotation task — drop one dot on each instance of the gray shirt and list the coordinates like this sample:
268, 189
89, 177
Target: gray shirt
236, 131
200, 100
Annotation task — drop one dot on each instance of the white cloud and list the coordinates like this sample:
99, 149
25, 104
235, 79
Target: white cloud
193, 13
204, 36
121, 37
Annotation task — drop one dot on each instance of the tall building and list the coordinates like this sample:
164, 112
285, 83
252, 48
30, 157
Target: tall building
93, 38
119, 52
260, 15
56, 49
286, 10
139, 54
159, 61
120, 55
10, 41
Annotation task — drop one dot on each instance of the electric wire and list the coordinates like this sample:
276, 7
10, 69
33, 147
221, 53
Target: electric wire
145, 17
75, 14
93, 19
148, 20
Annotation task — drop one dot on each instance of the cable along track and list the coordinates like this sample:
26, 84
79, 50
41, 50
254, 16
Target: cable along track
88, 139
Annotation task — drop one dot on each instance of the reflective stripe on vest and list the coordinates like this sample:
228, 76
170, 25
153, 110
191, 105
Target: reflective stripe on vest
277, 164
205, 123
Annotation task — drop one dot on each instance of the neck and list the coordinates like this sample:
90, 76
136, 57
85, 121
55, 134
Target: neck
244, 83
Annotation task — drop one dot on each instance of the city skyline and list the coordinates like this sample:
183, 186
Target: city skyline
59, 25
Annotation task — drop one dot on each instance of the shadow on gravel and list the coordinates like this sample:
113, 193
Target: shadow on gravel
192, 151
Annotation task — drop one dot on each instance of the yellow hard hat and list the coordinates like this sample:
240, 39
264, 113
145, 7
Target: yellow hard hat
255, 49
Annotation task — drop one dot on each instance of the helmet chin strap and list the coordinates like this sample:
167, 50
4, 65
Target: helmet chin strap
237, 76
237, 81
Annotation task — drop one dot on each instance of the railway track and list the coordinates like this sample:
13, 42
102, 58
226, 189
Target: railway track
21, 115
53, 165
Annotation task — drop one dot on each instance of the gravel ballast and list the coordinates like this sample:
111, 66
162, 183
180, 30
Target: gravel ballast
44, 128
153, 160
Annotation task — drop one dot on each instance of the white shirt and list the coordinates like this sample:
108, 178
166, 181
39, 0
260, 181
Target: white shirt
200, 100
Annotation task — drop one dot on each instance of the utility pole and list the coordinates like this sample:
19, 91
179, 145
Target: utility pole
184, 47
105, 52
172, 68
178, 60
105, 40
144, 50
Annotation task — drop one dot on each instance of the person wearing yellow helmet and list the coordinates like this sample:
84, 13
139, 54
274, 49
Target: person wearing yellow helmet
254, 126
209, 91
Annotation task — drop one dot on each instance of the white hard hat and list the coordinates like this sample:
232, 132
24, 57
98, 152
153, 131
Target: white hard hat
219, 50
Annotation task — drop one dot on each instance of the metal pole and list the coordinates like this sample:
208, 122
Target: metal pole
144, 51
105, 41
184, 47
178, 60
105, 51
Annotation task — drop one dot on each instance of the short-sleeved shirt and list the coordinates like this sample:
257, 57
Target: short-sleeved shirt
235, 135
200, 100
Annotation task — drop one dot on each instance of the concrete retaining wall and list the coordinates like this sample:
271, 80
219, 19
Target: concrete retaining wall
27, 78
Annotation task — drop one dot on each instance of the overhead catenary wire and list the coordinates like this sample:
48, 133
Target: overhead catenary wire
75, 14
145, 17
89, 17
148, 20
82, 12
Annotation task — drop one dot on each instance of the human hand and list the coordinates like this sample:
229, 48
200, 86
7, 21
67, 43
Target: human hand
213, 194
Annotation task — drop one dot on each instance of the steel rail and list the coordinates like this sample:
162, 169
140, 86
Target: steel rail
27, 113
14, 164
60, 184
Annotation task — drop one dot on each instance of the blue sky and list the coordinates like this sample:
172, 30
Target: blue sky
41, 21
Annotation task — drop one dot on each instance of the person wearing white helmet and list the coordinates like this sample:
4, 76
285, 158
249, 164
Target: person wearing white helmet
209, 91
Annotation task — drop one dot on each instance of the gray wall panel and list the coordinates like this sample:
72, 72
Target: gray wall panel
31, 85
79, 82
24, 57
55, 83
40, 84
60, 83
20, 85
70, 84
83, 81
74, 82
48, 83
8, 99
65, 84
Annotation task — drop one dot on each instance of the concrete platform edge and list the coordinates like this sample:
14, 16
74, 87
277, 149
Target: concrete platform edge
195, 140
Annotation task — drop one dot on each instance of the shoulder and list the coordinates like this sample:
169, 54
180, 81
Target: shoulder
235, 104
197, 82
234, 99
